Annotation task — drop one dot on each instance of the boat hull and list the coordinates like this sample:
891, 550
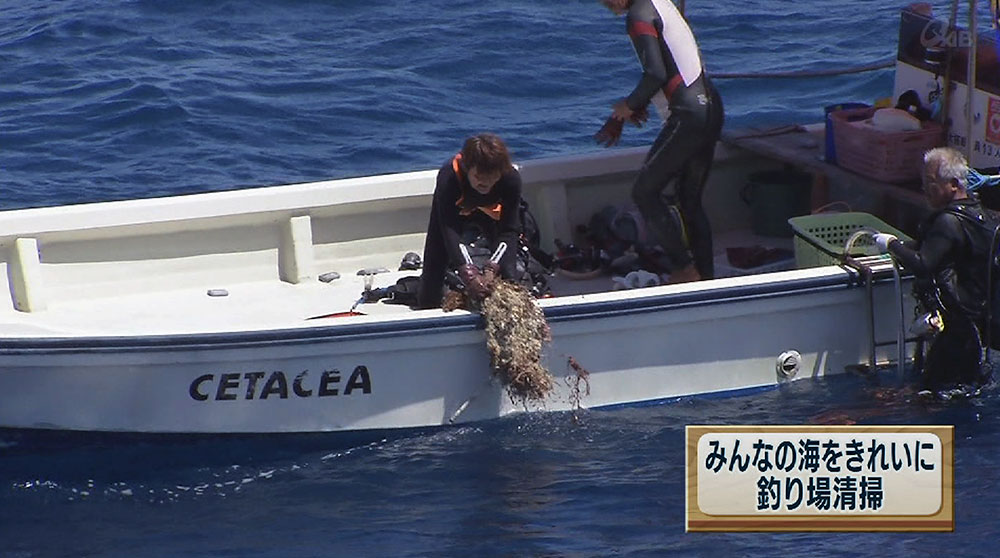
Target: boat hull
433, 369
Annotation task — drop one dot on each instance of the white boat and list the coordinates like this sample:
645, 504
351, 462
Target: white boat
108, 324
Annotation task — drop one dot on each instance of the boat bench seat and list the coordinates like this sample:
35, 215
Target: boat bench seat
24, 276
296, 261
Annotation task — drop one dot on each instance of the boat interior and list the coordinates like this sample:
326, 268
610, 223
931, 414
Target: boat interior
285, 256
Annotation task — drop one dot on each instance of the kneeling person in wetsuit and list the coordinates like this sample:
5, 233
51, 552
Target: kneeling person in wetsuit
949, 261
668, 189
479, 186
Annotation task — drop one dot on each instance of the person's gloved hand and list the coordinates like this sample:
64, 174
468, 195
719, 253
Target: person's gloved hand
491, 274
472, 278
611, 132
882, 240
639, 117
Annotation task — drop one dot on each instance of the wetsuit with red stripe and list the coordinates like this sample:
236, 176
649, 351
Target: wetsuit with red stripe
456, 206
669, 186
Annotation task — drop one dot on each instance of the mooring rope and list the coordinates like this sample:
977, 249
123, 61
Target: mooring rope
807, 73
976, 180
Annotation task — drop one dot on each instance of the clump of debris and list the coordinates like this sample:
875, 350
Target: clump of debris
516, 334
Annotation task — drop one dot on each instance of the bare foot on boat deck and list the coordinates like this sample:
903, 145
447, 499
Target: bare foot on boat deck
689, 273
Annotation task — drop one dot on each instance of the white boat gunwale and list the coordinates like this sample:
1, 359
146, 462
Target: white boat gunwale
556, 311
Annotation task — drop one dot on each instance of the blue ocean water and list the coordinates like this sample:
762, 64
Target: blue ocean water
608, 484
142, 98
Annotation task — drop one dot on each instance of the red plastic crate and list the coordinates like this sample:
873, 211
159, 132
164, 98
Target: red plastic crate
886, 156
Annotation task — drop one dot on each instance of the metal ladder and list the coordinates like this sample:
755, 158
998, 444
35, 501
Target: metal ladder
864, 266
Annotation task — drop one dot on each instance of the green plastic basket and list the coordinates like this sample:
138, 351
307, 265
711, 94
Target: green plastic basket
820, 239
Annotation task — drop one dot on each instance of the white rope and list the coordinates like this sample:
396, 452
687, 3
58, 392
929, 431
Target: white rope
807, 73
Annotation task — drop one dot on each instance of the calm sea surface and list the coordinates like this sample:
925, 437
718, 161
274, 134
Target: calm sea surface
126, 99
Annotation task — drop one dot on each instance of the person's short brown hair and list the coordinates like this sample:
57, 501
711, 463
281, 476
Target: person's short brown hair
487, 153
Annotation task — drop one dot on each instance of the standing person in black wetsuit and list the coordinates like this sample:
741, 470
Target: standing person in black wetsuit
669, 187
949, 261
478, 186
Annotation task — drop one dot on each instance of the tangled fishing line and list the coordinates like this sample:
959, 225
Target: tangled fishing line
516, 333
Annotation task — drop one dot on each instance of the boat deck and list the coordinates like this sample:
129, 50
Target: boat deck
273, 304
802, 147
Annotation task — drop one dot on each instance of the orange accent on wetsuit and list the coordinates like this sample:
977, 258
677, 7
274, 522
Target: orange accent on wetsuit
672, 85
492, 211
642, 28
638, 28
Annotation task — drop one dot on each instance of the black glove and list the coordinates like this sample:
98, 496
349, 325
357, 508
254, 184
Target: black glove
639, 117
611, 132
491, 274
472, 278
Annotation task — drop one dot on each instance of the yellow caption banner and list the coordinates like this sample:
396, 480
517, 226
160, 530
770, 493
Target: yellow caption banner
820, 478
